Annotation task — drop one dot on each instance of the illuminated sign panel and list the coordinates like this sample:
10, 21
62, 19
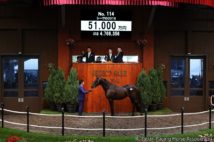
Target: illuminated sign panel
105, 23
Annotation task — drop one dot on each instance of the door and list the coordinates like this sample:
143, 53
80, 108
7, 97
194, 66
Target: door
20, 77
187, 83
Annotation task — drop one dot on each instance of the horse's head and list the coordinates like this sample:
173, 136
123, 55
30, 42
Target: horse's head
96, 82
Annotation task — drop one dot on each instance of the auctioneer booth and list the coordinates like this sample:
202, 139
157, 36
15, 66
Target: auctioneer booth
117, 73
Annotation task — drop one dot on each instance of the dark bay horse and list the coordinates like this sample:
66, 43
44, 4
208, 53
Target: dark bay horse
114, 92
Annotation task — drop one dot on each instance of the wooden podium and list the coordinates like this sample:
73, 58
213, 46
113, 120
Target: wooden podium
117, 73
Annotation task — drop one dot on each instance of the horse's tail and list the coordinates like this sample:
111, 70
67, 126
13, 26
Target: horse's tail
140, 101
134, 92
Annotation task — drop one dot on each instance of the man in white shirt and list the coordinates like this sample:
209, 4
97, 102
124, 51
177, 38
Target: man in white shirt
89, 55
109, 56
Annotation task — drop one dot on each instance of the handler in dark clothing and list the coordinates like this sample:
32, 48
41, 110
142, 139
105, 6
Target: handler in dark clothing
81, 93
119, 56
89, 55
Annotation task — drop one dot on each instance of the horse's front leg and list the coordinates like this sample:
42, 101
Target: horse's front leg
111, 103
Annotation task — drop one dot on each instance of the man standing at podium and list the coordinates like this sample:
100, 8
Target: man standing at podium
89, 55
119, 56
109, 57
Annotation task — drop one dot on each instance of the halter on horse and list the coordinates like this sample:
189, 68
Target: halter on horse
114, 92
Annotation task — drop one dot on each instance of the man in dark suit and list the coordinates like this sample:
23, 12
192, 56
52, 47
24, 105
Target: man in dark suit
89, 55
119, 56
81, 96
109, 57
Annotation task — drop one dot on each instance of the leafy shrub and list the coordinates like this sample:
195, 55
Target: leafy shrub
54, 92
158, 88
154, 86
151, 86
71, 87
162, 89
144, 85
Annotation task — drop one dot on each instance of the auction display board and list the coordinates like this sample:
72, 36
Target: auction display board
118, 74
105, 24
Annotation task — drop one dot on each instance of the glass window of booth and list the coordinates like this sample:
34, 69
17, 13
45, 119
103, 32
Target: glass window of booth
126, 58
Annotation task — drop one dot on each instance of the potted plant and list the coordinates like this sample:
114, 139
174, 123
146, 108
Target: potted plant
71, 91
158, 89
58, 90
144, 85
162, 89
155, 88
48, 93
54, 92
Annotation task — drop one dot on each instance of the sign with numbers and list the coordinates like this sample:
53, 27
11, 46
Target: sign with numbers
105, 24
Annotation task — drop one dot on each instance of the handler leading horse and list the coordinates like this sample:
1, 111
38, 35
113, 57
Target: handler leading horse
114, 92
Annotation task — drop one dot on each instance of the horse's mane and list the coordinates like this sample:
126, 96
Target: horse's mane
105, 83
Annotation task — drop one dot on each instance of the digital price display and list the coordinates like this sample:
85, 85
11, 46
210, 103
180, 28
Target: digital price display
106, 23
